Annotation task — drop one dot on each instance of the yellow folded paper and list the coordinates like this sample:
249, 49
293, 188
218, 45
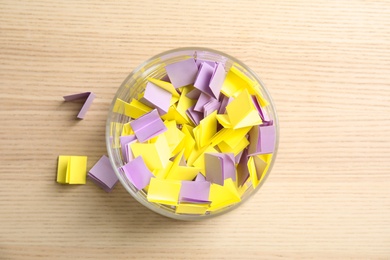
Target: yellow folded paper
72, 169
242, 112
164, 191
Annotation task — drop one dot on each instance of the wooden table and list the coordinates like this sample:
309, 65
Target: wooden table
326, 64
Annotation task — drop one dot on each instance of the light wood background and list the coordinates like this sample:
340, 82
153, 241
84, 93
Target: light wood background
326, 64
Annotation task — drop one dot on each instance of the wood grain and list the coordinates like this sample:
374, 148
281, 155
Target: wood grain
326, 64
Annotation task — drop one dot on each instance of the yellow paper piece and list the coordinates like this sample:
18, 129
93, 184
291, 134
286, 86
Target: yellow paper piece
189, 208
134, 109
77, 169
174, 137
179, 172
225, 148
256, 167
233, 83
185, 103
164, 191
242, 112
156, 155
224, 120
137, 109
223, 196
174, 114
163, 173
188, 141
127, 130
72, 169
62, 169
234, 136
206, 129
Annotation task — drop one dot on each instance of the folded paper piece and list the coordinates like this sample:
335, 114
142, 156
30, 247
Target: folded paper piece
148, 126
137, 173
124, 140
198, 139
164, 191
89, 96
103, 175
182, 73
157, 97
219, 166
242, 112
72, 169
223, 196
262, 139
156, 154
203, 78
217, 80
256, 168
194, 191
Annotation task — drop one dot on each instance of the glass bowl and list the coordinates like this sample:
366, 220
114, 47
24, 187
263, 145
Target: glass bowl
135, 84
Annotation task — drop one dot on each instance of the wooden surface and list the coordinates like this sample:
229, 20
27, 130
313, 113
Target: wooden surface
326, 64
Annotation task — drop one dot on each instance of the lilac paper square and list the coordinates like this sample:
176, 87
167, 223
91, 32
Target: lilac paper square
267, 139
225, 101
203, 79
89, 98
202, 100
156, 97
138, 173
228, 166
124, 140
194, 191
195, 116
210, 107
148, 126
242, 169
182, 73
103, 174
200, 177
217, 80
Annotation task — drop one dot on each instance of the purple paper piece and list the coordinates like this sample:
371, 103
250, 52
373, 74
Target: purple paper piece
124, 140
213, 165
217, 80
89, 98
210, 107
202, 100
237, 158
228, 166
165, 78
184, 199
148, 126
225, 101
156, 97
200, 177
137, 173
262, 112
262, 139
242, 169
199, 62
194, 191
182, 73
103, 174
194, 94
195, 116
219, 166
267, 139
203, 79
